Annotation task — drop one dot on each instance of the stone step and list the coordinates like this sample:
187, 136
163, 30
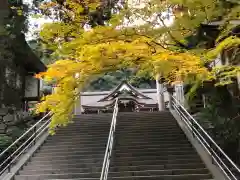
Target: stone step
140, 133
146, 113
139, 140
135, 139
60, 170
89, 123
96, 162
149, 133
81, 128
66, 153
152, 142
60, 149
116, 174
155, 117
154, 158
159, 172
68, 148
120, 126
144, 118
58, 176
155, 153
149, 123
152, 147
79, 143
160, 162
79, 133
72, 179
118, 146
57, 163
132, 123
67, 137
82, 131
148, 137
75, 144
138, 152
92, 117
114, 159
124, 119
143, 115
53, 170
160, 135
157, 167
165, 177
120, 150
133, 151
87, 138
146, 127
93, 121
104, 115
68, 165
67, 156
78, 138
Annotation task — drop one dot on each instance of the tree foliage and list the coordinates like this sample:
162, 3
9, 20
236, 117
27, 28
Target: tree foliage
151, 37
110, 80
13, 24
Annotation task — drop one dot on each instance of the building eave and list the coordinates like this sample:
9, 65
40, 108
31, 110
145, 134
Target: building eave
26, 57
118, 88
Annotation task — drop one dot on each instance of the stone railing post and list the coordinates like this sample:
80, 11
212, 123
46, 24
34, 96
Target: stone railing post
160, 93
170, 90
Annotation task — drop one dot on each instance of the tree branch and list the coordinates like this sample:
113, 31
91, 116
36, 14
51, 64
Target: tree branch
169, 33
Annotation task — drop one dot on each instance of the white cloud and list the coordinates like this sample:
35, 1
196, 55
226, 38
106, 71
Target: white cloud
35, 24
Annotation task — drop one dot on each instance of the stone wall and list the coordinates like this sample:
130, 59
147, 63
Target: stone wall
13, 124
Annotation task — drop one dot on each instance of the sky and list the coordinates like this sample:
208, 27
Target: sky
35, 24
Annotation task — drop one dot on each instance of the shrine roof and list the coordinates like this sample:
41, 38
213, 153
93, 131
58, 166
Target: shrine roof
124, 85
104, 104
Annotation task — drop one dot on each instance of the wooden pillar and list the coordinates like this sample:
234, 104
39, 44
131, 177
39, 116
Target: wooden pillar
4, 10
160, 93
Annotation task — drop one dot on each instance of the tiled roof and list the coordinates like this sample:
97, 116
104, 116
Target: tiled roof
99, 99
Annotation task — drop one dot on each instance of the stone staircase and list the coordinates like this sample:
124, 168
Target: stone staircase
148, 146
76, 151
151, 146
